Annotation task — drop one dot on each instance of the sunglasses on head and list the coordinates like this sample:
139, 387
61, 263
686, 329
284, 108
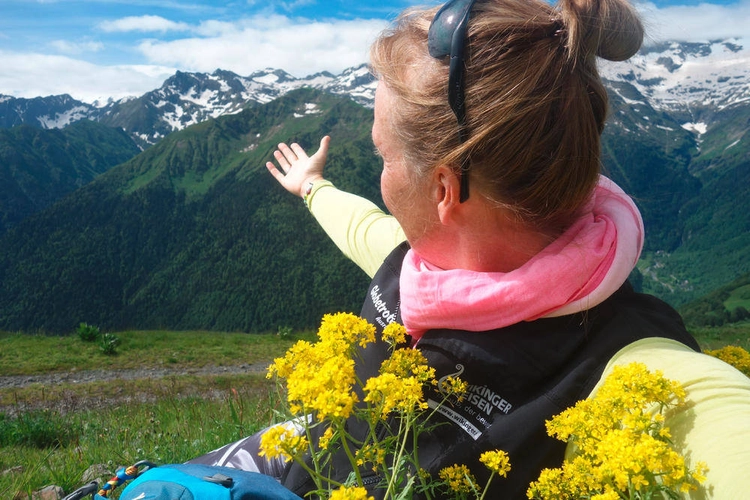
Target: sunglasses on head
447, 37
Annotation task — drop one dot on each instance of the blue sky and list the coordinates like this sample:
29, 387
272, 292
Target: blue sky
95, 49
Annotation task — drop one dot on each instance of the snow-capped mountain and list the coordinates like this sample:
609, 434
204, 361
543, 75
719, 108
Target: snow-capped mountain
46, 112
689, 81
183, 100
681, 76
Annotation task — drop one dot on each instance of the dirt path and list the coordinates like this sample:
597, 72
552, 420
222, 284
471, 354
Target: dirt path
75, 402
87, 376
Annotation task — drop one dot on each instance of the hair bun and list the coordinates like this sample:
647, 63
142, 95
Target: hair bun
610, 29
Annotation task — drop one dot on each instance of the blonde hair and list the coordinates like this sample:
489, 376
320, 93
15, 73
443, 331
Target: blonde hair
535, 104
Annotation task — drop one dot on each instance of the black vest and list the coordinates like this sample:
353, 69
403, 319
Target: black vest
519, 377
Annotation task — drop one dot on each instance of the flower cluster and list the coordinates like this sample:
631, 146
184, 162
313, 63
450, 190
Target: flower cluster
321, 382
622, 447
398, 387
458, 478
496, 461
735, 356
351, 493
320, 376
283, 441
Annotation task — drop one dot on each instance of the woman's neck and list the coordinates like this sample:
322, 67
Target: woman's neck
482, 238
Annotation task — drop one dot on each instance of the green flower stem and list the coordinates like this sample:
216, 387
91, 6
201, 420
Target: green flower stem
350, 455
409, 423
487, 486
415, 438
316, 475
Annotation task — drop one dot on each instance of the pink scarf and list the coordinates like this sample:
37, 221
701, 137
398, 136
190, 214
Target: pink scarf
579, 270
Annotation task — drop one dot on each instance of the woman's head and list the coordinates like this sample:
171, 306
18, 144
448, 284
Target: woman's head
535, 106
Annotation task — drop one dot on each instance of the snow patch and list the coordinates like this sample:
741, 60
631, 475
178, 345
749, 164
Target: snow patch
699, 127
732, 145
267, 79
63, 119
311, 108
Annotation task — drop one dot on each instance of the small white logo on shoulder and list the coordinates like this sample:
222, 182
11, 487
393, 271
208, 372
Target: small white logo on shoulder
381, 306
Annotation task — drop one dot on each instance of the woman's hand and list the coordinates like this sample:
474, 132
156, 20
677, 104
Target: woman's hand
296, 170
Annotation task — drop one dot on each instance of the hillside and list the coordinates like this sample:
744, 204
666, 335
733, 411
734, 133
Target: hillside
37, 167
194, 233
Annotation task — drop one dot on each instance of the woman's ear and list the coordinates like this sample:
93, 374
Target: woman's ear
447, 193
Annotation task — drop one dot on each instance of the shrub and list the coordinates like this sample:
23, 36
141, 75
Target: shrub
284, 332
108, 344
88, 333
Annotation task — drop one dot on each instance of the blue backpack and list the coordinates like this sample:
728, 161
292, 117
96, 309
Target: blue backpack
190, 482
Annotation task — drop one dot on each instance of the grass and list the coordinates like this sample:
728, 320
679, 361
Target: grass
740, 297
50, 434
711, 338
55, 432
22, 354
171, 429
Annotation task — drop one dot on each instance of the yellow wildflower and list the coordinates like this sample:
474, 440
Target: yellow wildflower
547, 485
390, 393
699, 474
282, 441
621, 441
408, 363
345, 329
453, 386
497, 461
325, 439
735, 356
458, 478
394, 334
351, 493
371, 454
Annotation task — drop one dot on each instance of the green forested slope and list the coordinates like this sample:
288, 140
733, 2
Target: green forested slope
194, 232
38, 167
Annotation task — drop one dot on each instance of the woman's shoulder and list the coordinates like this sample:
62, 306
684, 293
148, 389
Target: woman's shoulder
713, 426
678, 361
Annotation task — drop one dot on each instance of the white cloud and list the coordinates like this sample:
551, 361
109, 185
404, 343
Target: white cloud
696, 23
31, 75
68, 47
142, 23
298, 47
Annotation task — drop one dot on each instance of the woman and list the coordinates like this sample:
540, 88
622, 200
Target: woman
513, 271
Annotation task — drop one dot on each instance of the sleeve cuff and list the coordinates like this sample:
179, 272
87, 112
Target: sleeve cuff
312, 189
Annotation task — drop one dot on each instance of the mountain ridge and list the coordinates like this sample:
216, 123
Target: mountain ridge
184, 99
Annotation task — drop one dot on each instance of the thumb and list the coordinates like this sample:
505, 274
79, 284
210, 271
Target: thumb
324, 143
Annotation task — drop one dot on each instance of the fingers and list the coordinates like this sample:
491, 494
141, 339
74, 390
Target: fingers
298, 151
274, 171
285, 156
294, 169
282, 160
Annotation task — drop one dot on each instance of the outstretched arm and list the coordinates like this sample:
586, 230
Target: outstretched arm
363, 232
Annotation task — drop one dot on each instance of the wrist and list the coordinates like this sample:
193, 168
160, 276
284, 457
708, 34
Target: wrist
308, 184
311, 187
